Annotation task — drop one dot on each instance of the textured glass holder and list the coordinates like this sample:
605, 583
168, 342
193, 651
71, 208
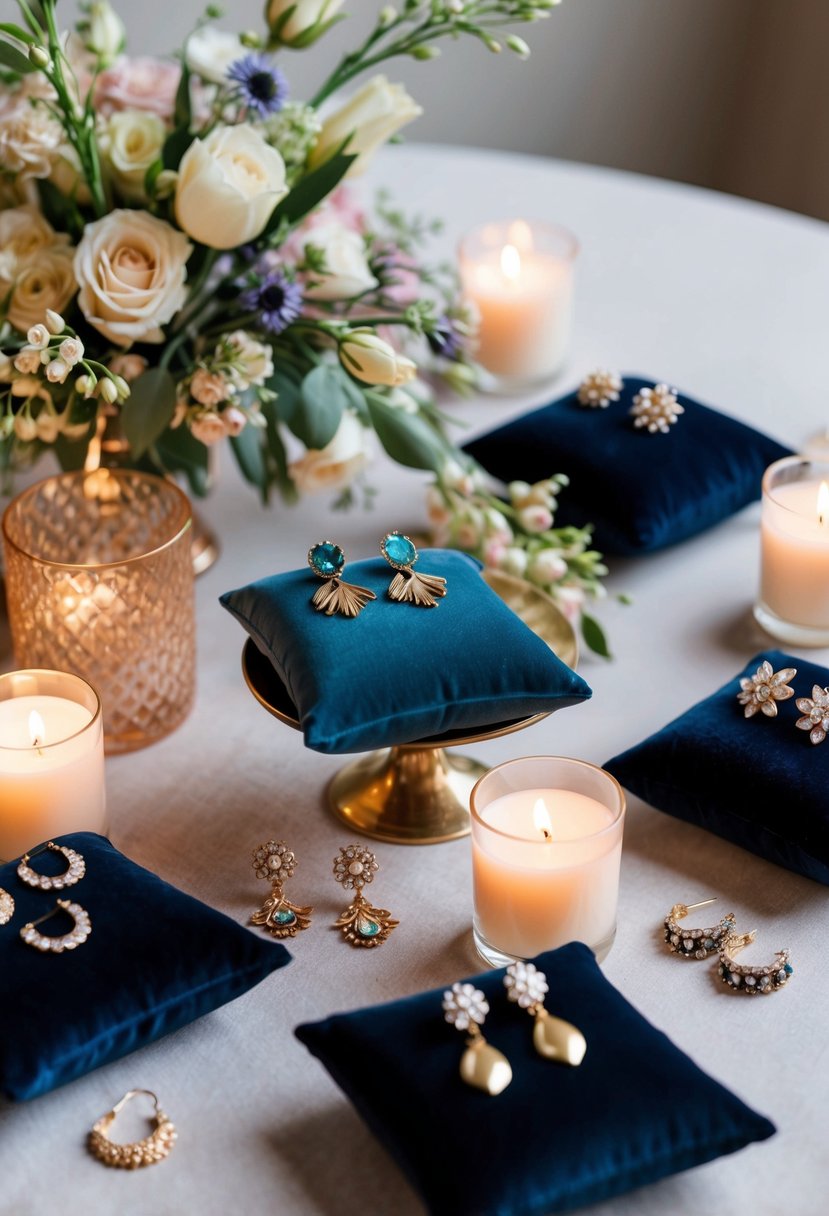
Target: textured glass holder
99, 581
519, 274
538, 887
793, 605
51, 759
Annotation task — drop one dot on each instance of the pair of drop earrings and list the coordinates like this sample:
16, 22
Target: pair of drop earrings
327, 560
484, 1067
354, 867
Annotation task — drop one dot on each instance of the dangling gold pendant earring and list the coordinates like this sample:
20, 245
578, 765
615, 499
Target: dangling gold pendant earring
275, 862
482, 1066
407, 587
362, 924
327, 560
553, 1038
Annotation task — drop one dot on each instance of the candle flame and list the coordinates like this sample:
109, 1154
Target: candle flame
542, 820
823, 502
510, 263
37, 729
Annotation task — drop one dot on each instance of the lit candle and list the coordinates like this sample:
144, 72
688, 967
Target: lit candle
545, 859
51, 759
520, 277
794, 580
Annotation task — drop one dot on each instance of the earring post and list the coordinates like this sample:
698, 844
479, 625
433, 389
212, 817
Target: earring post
703, 903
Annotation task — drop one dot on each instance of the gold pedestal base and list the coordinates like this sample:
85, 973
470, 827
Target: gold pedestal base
406, 795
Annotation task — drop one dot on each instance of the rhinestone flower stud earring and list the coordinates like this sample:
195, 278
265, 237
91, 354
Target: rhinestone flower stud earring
764, 689
275, 862
656, 409
483, 1067
362, 924
599, 388
815, 711
553, 1038
408, 587
327, 560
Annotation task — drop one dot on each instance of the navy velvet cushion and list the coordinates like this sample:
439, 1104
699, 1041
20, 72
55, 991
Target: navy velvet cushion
397, 672
155, 960
758, 782
635, 1110
641, 491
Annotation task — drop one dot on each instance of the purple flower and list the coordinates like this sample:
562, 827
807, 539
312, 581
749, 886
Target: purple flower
277, 300
445, 339
261, 86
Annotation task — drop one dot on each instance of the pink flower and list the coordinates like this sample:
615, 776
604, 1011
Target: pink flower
208, 428
208, 388
535, 518
128, 366
235, 421
571, 601
494, 551
139, 83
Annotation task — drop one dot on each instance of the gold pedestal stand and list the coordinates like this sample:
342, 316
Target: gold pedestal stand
417, 793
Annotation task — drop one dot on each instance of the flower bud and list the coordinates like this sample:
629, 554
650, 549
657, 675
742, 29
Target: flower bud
493, 45
387, 16
104, 32
547, 566
109, 391
519, 46
38, 337
425, 52
372, 360
39, 57
54, 322
514, 561
535, 519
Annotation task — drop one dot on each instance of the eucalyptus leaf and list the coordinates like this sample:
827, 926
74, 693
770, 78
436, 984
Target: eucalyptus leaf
14, 59
594, 636
179, 452
277, 453
175, 145
248, 450
310, 191
16, 31
406, 437
148, 409
287, 384
321, 406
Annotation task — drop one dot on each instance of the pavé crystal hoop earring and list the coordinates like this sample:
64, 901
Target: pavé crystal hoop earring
482, 1066
67, 941
362, 924
74, 872
744, 978
407, 587
6, 907
276, 862
553, 1038
695, 943
327, 560
153, 1148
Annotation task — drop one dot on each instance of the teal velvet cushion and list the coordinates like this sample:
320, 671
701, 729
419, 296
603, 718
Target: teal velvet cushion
397, 672
155, 960
758, 782
641, 491
558, 1138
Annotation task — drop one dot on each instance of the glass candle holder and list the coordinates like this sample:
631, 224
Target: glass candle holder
100, 581
546, 848
793, 605
51, 759
519, 274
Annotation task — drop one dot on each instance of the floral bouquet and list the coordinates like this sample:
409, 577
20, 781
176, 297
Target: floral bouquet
180, 262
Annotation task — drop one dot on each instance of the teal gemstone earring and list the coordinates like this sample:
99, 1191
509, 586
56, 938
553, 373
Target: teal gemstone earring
327, 560
408, 587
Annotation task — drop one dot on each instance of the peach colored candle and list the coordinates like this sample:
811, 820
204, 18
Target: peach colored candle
545, 863
520, 277
51, 760
795, 553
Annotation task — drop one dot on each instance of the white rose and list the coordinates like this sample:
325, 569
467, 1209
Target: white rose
228, 185
104, 32
131, 140
373, 360
370, 117
27, 361
44, 282
548, 566
71, 351
23, 231
253, 361
346, 271
303, 16
131, 270
39, 337
335, 465
211, 51
29, 136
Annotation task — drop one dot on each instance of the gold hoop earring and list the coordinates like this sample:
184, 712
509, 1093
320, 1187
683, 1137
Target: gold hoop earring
67, 941
742, 977
695, 943
6, 907
74, 872
153, 1148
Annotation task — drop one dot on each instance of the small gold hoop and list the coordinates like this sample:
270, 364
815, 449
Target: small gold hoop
742, 977
695, 943
153, 1148
74, 872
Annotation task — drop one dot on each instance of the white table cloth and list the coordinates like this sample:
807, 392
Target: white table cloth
728, 300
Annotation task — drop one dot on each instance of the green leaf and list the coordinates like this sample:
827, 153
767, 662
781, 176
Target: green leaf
321, 406
247, 448
14, 59
71, 454
287, 384
278, 455
406, 437
148, 409
175, 145
179, 452
310, 191
182, 114
594, 636
16, 31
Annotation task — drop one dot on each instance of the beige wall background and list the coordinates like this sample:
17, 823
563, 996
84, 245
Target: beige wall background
729, 94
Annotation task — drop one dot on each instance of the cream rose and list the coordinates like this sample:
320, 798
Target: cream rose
228, 185
211, 51
44, 281
374, 361
131, 140
337, 464
29, 137
306, 18
370, 117
131, 271
23, 231
346, 271
253, 360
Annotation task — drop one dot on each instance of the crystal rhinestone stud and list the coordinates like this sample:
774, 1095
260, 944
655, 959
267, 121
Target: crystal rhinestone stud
815, 710
695, 943
408, 587
742, 977
553, 1038
764, 689
656, 409
599, 388
327, 560
362, 924
483, 1067
276, 863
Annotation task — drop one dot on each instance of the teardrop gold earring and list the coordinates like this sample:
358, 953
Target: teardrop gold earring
482, 1066
553, 1038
